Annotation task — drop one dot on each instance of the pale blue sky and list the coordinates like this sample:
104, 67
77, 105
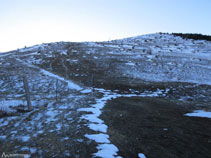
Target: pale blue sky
30, 22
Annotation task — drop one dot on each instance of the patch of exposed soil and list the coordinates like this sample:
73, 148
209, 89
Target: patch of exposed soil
157, 128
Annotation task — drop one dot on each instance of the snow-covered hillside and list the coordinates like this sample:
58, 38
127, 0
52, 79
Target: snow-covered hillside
71, 83
154, 57
166, 58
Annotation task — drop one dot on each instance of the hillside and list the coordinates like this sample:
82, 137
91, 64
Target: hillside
120, 98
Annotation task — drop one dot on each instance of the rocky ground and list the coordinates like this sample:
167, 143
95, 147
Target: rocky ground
107, 99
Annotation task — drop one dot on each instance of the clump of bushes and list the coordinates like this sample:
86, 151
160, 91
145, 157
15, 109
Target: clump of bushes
193, 36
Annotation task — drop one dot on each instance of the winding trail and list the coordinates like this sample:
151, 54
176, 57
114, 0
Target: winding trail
70, 83
105, 148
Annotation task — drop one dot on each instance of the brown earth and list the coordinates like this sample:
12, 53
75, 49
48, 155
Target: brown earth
157, 128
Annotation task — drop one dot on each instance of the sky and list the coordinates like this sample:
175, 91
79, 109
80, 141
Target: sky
31, 22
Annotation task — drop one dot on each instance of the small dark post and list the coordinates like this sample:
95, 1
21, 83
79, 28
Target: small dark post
56, 90
92, 80
26, 87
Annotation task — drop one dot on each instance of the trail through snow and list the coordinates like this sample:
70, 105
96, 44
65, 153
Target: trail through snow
70, 83
105, 148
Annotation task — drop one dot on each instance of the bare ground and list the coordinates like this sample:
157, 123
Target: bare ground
157, 128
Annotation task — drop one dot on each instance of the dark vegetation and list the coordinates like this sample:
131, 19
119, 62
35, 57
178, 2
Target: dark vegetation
193, 36
156, 127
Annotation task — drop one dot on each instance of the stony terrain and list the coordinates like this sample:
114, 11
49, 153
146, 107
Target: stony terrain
120, 98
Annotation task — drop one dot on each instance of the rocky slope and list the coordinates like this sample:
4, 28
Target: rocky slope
70, 80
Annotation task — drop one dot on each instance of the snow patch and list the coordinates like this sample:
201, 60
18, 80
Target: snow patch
86, 91
130, 64
140, 155
107, 151
98, 127
3, 137
24, 138
99, 138
199, 113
